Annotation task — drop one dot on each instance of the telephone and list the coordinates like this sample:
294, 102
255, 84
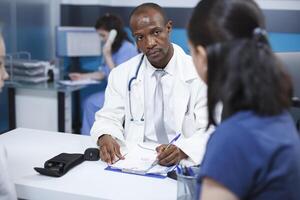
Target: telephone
112, 35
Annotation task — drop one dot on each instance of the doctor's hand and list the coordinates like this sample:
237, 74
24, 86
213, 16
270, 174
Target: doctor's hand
109, 149
169, 156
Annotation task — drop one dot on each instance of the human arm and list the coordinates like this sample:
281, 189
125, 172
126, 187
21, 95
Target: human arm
234, 159
81, 76
109, 120
107, 54
7, 189
194, 134
169, 155
109, 149
212, 190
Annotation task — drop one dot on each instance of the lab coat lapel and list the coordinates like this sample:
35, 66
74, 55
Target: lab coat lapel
181, 90
135, 131
181, 100
140, 87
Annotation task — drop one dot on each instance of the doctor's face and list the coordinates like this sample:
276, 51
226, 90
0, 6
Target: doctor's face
3, 73
152, 36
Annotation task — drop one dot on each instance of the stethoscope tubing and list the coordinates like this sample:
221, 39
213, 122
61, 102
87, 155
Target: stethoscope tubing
129, 88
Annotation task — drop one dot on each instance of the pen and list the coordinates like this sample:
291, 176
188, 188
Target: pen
178, 169
172, 141
190, 171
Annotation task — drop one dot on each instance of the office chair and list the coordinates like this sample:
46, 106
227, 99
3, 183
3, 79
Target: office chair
291, 61
296, 104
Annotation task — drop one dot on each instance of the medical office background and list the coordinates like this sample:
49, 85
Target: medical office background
30, 25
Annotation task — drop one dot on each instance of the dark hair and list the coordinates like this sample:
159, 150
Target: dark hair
218, 20
109, 22
145, 6
246, 75
243, 72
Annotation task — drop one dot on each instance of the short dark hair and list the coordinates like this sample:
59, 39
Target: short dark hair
146, 6
109, 22
243, 72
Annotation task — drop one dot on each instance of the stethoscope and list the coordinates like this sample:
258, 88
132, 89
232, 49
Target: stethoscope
129, 91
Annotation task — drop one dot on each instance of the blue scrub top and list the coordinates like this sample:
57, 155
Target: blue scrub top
124, 53
256, 158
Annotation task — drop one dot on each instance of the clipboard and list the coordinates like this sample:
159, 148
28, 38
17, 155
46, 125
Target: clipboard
138, 161
160, 176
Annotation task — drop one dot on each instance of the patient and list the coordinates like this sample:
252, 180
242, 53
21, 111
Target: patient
7, 191
254, 153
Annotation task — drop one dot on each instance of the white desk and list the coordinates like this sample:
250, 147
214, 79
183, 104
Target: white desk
29, 148
48, 104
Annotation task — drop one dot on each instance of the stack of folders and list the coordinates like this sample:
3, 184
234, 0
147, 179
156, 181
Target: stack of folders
32, 71
141, 161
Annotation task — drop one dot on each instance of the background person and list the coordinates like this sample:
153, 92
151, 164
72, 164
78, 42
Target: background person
254, 153
7, 190
115, 53
156, 100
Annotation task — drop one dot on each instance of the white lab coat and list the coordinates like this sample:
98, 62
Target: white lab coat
189, 99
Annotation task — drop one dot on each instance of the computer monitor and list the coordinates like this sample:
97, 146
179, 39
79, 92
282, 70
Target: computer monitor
77, 42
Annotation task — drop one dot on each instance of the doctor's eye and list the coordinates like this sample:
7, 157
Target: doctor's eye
157, 32
138, 38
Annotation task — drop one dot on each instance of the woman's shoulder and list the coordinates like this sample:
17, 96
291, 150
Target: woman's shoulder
126, 50
126, 45
246, 126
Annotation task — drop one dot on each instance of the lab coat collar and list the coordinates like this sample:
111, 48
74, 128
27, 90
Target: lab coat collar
140, 76
179, 56
170, 68
185, 73
179, 66
181, 90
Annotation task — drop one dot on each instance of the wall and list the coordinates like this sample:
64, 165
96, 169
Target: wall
28, 26
281, 17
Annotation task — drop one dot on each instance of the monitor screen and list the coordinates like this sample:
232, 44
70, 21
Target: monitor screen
77, 42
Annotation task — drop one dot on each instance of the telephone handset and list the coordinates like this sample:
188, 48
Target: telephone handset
112, 35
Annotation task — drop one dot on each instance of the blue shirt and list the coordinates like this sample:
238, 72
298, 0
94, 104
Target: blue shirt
124, 53
256, 158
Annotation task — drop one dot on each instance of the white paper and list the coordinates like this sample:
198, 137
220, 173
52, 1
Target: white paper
138, 160
79, 82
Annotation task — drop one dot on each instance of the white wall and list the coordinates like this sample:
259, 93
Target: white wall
265, 4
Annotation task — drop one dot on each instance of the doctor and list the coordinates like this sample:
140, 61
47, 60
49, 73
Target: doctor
154, 96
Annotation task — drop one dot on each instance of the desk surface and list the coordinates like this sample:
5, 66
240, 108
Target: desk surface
53, 86
29, 148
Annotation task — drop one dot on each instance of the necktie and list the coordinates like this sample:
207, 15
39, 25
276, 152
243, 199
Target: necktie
159, 109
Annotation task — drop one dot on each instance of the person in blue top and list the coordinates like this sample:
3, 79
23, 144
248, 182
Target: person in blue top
114, 53
254, 153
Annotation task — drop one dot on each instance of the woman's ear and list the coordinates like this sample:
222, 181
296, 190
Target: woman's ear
200, 50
